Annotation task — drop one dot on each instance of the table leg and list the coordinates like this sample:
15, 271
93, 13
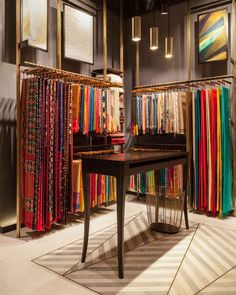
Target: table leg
121, 191
185, 177
86, 187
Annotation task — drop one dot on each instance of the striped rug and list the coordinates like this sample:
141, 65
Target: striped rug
211, 254
225, 285
64, 258
200, 260
149, 269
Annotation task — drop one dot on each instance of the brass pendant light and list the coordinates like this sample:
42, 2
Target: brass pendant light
164, 8
169, 47
136, 28
169, 41
154, 35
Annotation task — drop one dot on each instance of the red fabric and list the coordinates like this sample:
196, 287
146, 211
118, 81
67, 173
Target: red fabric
203, 154
96, 97
75, 126
213, 116
28, 157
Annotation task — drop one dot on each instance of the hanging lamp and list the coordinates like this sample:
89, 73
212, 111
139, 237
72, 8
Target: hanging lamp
169, 47
136, 28
164, 8
154, 35
169, 41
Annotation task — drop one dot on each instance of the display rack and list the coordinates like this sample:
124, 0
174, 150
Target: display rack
187, 85
42, 70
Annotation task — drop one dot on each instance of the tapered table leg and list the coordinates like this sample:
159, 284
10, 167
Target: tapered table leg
86, 187
185, 177
121, 191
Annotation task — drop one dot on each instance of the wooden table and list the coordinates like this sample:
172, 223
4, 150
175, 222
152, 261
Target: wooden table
122, 166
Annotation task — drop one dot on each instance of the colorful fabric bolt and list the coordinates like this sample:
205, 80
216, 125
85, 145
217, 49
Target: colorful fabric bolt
171, 178
45, 151
95, 110
162, 112
102, 189
212, 152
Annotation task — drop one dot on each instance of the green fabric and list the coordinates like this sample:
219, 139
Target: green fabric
226, 154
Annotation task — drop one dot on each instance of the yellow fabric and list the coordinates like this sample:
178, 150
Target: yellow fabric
81, 189
76, 102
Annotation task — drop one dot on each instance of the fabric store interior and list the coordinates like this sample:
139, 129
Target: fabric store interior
118, 146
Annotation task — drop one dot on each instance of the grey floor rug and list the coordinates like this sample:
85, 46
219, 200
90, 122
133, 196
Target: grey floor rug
190, 262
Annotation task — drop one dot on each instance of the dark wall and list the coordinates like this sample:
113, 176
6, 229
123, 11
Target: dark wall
8, 161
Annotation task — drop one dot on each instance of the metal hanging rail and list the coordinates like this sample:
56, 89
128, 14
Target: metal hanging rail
40, 70
162, 86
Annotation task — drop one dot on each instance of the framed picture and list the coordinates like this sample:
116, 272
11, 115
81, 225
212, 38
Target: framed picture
78, 29
34, 23
213, 36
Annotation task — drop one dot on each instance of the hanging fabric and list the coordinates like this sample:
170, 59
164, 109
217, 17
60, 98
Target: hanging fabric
171, 178
45, 151
158, 113
95, 110
102, 189
212, 152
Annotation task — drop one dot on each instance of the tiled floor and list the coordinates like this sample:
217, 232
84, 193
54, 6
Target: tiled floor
199, 260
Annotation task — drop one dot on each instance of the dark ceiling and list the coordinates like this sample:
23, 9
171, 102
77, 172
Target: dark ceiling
132, 7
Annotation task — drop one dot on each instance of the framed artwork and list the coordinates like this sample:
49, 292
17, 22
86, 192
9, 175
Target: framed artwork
78, 29
213, 36
34, 23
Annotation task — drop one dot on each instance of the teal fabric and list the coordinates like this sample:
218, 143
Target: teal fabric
197, 139
226, 154
143, 183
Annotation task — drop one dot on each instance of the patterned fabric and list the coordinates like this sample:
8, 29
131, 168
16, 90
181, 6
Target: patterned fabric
46, 151
162, 112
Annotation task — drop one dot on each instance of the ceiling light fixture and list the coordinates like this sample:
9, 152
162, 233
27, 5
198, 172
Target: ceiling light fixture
136, 28
169, 41
164, 8
154, 35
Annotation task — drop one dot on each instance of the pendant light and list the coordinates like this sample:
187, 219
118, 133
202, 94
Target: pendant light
169, 42
154, 35
169, 47
164, 8
136, 28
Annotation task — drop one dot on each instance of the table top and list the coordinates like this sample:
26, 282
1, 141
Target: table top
135, 157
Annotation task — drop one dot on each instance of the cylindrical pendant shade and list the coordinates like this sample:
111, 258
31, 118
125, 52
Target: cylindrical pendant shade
168, 47
164, 8
136, 28
154, 38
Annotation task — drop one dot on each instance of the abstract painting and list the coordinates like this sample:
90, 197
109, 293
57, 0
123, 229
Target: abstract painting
213, 36
34, 23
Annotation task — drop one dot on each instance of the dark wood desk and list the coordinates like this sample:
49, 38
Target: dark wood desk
121, 166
